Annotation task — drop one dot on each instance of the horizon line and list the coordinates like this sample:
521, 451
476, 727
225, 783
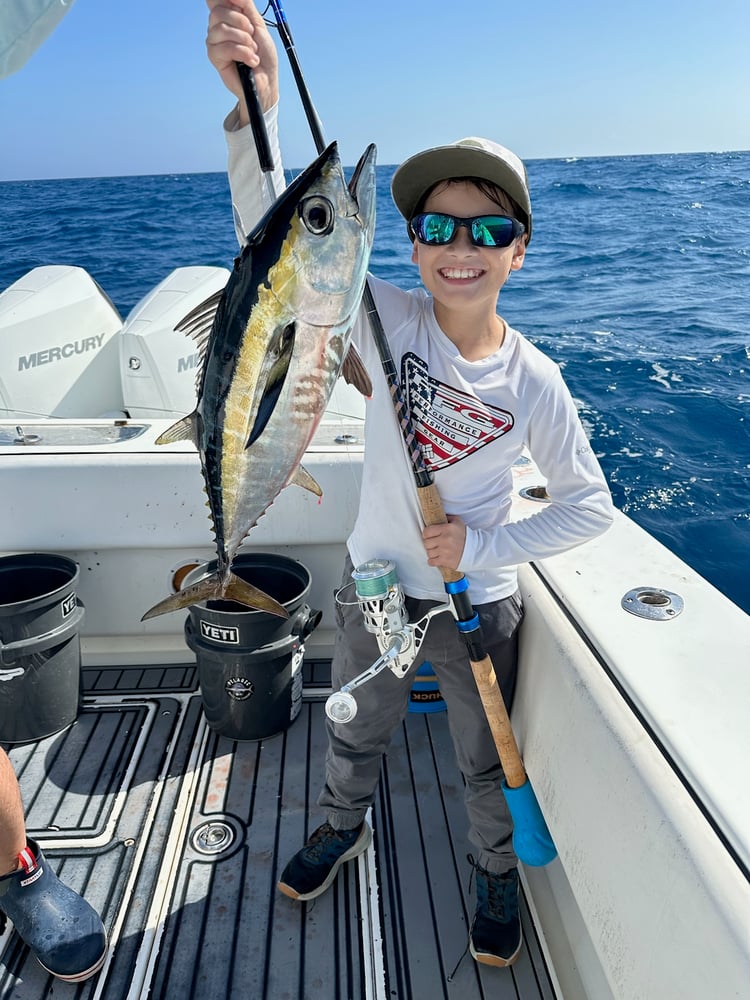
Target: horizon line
570, 158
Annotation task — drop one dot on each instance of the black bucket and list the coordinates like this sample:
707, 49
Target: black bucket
40, 649
250, 662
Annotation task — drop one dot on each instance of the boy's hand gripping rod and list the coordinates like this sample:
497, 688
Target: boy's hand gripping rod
531, 838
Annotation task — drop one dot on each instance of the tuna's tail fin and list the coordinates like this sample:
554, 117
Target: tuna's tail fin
211, 588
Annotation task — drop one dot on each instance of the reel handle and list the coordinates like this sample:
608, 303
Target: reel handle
341, 706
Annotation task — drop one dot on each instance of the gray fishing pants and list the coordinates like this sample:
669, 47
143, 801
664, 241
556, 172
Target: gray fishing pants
355, 749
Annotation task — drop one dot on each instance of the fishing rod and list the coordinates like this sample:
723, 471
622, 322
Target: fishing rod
531, 838
257, 122
258, 125
309, 108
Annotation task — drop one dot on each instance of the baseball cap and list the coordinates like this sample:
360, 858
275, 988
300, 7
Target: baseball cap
470, 157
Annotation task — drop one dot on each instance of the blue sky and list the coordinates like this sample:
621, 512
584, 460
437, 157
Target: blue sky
126, 88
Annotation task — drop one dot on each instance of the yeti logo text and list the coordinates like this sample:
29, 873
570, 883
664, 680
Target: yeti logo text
69, 605
60, 353
220, 633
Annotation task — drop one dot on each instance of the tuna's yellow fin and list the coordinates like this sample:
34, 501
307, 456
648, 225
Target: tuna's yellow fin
354, 372
183, 430
210, 589
303, 478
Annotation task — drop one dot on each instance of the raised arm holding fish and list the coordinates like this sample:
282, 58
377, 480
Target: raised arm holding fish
237, 34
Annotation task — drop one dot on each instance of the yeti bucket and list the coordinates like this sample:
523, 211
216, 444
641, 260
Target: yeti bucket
250, 662
40, 649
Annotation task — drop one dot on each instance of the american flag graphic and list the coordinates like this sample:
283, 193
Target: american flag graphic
450, 424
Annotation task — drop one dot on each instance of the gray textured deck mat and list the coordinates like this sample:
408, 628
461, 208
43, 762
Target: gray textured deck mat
128, 801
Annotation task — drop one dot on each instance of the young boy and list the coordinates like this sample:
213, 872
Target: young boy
478, 392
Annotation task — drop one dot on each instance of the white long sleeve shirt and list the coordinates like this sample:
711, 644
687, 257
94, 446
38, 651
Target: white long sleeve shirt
473, 419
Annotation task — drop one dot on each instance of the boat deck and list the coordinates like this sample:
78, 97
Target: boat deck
177, 835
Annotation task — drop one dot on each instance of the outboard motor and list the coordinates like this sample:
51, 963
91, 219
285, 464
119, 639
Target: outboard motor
159, 365
59, 347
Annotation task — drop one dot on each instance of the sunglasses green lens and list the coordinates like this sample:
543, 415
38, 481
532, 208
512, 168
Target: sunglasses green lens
492, 231
434, 228
438, 229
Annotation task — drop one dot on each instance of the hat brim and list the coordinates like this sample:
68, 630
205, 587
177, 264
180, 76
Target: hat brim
419, 173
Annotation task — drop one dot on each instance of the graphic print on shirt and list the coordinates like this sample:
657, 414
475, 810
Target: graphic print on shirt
450, 424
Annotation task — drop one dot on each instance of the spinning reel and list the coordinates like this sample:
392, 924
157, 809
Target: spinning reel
381, 600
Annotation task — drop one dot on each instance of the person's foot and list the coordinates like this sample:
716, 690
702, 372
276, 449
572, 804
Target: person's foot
496, 937
312, 870
64, 932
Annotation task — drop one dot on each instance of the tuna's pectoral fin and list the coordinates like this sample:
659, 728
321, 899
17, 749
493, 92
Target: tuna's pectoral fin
183, 430
211, 589
271, 380
354, 372
303, 478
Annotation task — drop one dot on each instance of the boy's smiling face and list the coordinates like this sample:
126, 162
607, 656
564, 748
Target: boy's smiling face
461, 275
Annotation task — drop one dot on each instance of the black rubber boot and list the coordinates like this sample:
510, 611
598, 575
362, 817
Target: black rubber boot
59, 926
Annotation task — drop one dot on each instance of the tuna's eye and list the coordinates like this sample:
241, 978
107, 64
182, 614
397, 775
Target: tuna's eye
317, 214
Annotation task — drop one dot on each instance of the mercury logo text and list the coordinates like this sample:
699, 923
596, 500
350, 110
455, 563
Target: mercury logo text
61, 353
188, 363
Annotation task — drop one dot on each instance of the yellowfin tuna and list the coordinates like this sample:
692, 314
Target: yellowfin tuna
274, 342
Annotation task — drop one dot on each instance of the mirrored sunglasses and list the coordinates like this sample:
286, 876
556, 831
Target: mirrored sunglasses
435, 229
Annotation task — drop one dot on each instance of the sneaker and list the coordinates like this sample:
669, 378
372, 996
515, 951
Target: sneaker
312, 869
61, 928
496, 937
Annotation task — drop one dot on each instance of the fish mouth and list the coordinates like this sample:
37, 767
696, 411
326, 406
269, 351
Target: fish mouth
362, 187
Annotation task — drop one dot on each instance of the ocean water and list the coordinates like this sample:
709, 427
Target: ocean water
637, 283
